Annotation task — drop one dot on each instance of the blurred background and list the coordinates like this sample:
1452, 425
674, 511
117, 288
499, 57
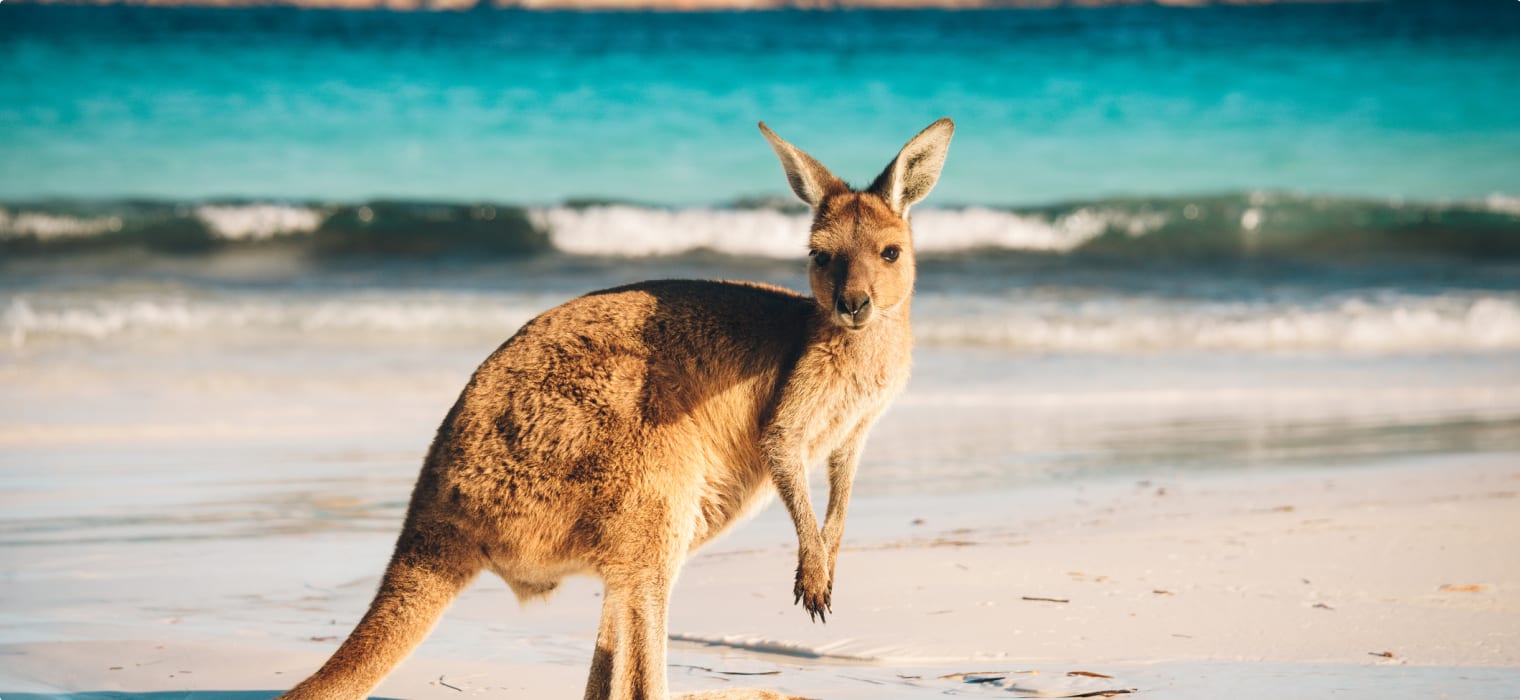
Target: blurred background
249, 255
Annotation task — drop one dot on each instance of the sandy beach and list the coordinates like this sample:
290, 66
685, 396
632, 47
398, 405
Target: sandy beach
219, 539
1397, 582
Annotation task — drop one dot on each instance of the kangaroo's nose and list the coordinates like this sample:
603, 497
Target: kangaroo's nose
847, 307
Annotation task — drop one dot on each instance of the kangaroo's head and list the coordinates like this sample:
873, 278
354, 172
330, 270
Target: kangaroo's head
861, 246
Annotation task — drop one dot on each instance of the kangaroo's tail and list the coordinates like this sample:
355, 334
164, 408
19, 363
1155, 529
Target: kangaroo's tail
425, 574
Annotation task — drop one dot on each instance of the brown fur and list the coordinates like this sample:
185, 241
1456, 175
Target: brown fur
615, 434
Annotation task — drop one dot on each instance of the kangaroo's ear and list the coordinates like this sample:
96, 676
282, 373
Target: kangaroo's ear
910, 176
808, 178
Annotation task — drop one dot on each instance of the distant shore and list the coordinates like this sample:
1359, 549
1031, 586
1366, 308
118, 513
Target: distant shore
666, 5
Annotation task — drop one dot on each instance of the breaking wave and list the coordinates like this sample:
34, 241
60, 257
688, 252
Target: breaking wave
1217, 226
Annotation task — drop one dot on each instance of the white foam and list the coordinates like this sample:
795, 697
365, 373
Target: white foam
53, 226
1503, 204
1057, 321
622, 230
256, 222
39, 317
1358, 324
1250, 219
954, 230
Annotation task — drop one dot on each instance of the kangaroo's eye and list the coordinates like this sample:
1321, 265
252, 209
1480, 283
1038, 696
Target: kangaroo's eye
891, 253
821, 259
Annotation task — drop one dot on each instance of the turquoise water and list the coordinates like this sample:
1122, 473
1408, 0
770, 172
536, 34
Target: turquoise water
1385, 100
264, 137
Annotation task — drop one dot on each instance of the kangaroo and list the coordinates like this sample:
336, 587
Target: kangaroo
618, 432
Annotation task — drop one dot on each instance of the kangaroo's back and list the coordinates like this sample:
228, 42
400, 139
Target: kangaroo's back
659, 380
642, 356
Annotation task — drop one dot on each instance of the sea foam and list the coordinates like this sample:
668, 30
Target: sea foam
1361, 323
254, 222
1065, 321
631, 231
47, 226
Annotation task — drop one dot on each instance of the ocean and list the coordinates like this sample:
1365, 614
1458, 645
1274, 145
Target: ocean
1209, 208
1297, 192
1401, 100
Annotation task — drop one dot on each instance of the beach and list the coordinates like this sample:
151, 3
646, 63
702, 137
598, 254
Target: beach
213, 518
1388, 581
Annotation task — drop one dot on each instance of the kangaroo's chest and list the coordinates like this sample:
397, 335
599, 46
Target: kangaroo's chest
851, 405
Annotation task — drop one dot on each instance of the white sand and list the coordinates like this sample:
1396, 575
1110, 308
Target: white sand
1237, 585
212, 516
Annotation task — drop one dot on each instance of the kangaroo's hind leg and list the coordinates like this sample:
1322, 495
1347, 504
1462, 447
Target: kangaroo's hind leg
430, 567
599, 682
638, 601
641, 549
646, 678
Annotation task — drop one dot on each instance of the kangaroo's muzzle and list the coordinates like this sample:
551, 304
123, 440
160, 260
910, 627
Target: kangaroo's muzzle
853, 310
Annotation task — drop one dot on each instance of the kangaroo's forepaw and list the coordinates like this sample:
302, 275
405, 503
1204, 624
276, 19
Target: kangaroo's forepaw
814, 589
